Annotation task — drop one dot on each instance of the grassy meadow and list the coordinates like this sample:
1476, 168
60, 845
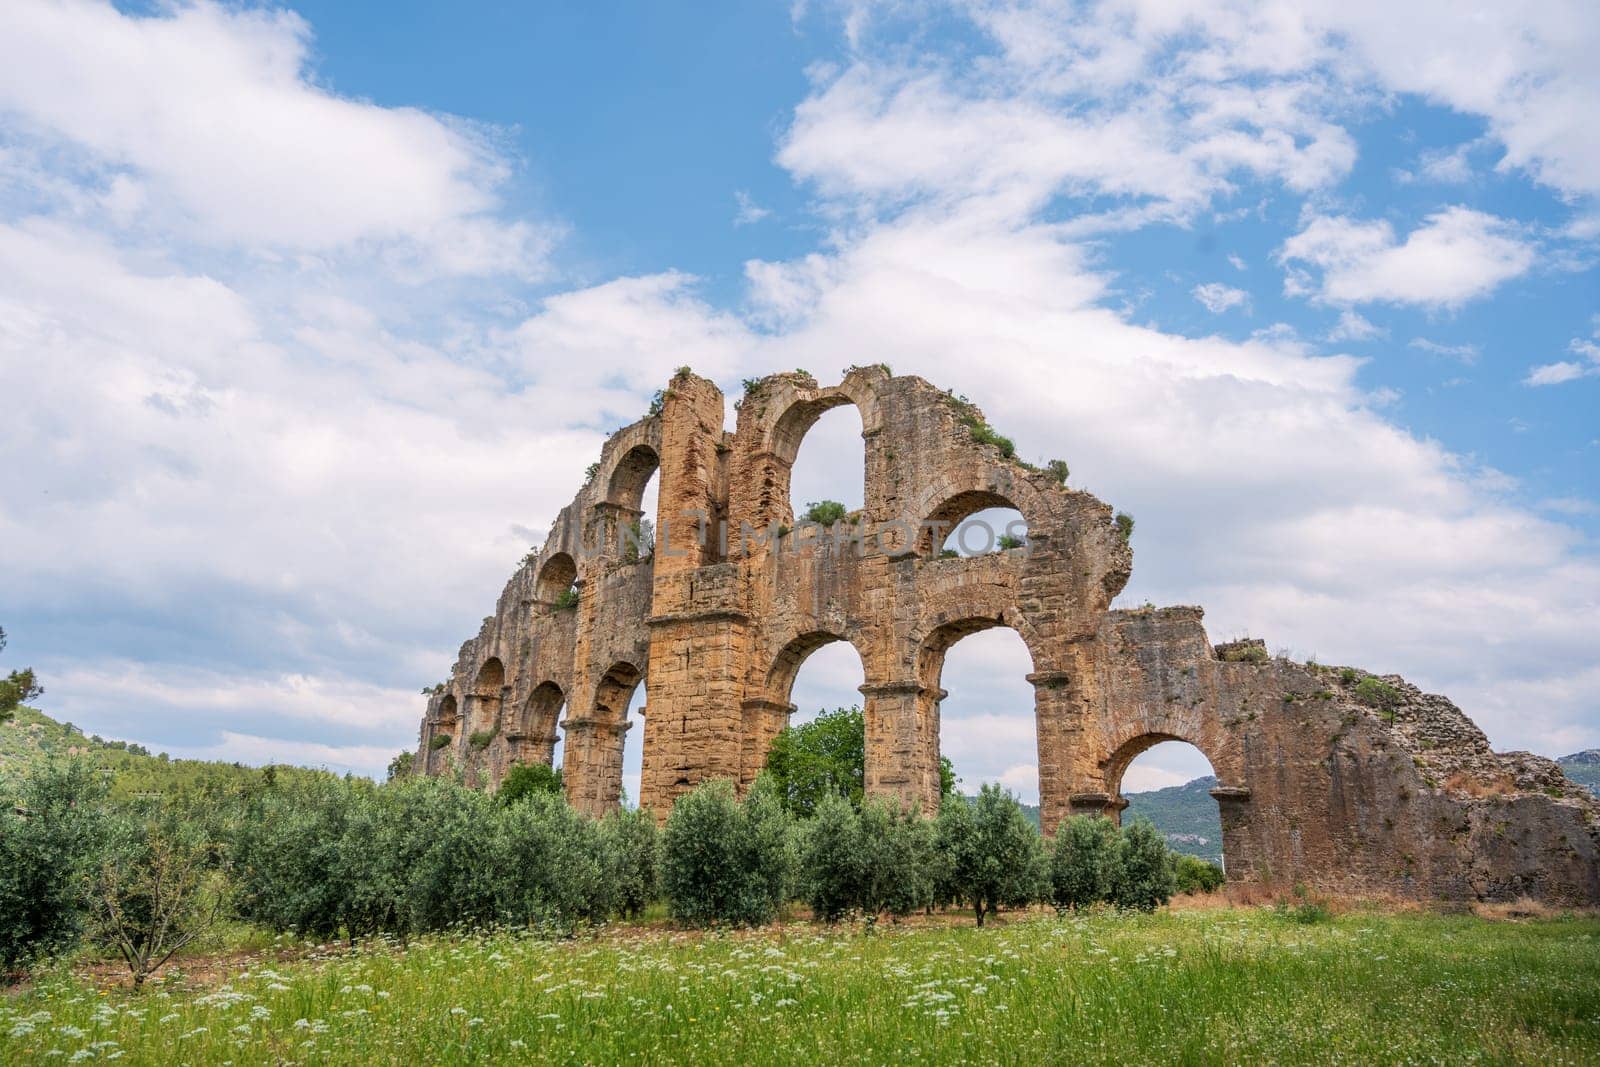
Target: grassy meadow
1186, 986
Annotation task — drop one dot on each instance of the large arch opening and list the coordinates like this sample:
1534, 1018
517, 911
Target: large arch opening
557, 583
483, 707
978, 671
1169, 782
815, 674
973, 524
827, 459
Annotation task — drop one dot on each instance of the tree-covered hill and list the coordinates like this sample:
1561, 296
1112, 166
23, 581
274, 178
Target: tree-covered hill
32, 737
1583, 768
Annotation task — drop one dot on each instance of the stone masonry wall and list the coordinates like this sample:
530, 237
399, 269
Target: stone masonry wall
1316, 786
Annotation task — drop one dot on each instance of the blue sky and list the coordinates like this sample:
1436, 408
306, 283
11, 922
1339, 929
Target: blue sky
320, 311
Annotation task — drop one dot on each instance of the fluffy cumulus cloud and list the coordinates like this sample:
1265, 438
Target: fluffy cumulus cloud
1456, 255
205, 121
280, 463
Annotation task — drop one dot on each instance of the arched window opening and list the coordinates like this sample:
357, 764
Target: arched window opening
634, 491
1169, 782
534, 735
448, 717
558, 581
974, 524
829, 462
987, 728
483, 707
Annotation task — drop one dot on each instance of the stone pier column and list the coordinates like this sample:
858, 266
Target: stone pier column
764, 719
1238, 843
1058, 716
591, 765
902, 721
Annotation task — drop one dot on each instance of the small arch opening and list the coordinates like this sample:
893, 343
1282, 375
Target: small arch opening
974, 524
448, 718
1169, 782
827, 677
557, 583
534, 736
483, 706
987, 726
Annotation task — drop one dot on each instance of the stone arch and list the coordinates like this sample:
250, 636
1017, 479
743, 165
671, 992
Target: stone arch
556, 576
1231, 795
444, 723
787, 661
630, 476
532, 734
953, 498
767, 713
488, 691
955, 510
592, 771
616, 689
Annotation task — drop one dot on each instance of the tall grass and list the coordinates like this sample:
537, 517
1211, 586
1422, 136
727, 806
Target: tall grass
1207, 987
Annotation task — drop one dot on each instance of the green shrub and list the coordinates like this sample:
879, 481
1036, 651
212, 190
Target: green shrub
1144, 878
527, 779
481, 738
155, 891
1124, 523
832, 866
439, 741
985, 434
992, 854
630, 854
1191, 874
897, 849
1377, 694
824, 512
1085, 865
724, 861
548, 869
1058, 468
1244, 652
1348, 676
568, 599
1007, 542
1304, 908
46, 856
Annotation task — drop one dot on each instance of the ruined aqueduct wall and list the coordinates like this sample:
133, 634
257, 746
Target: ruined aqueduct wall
1315, 787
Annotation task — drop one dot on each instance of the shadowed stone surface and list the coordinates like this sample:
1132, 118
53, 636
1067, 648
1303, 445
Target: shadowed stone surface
1325, 777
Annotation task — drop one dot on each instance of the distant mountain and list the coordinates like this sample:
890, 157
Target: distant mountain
1583, 768
1187, 814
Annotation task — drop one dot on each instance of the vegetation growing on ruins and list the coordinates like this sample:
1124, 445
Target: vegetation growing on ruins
824, 512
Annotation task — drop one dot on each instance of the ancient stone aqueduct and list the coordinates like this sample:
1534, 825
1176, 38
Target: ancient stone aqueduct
1316, 786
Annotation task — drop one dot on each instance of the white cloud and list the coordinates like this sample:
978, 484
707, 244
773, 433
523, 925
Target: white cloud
205, 120
1442, 167
749, 212
1217, 298
1466, 353
1456, 255
1563, 371
1237, 263
1353, 327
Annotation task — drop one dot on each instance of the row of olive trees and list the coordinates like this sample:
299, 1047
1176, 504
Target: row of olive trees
325, 857
726, 861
